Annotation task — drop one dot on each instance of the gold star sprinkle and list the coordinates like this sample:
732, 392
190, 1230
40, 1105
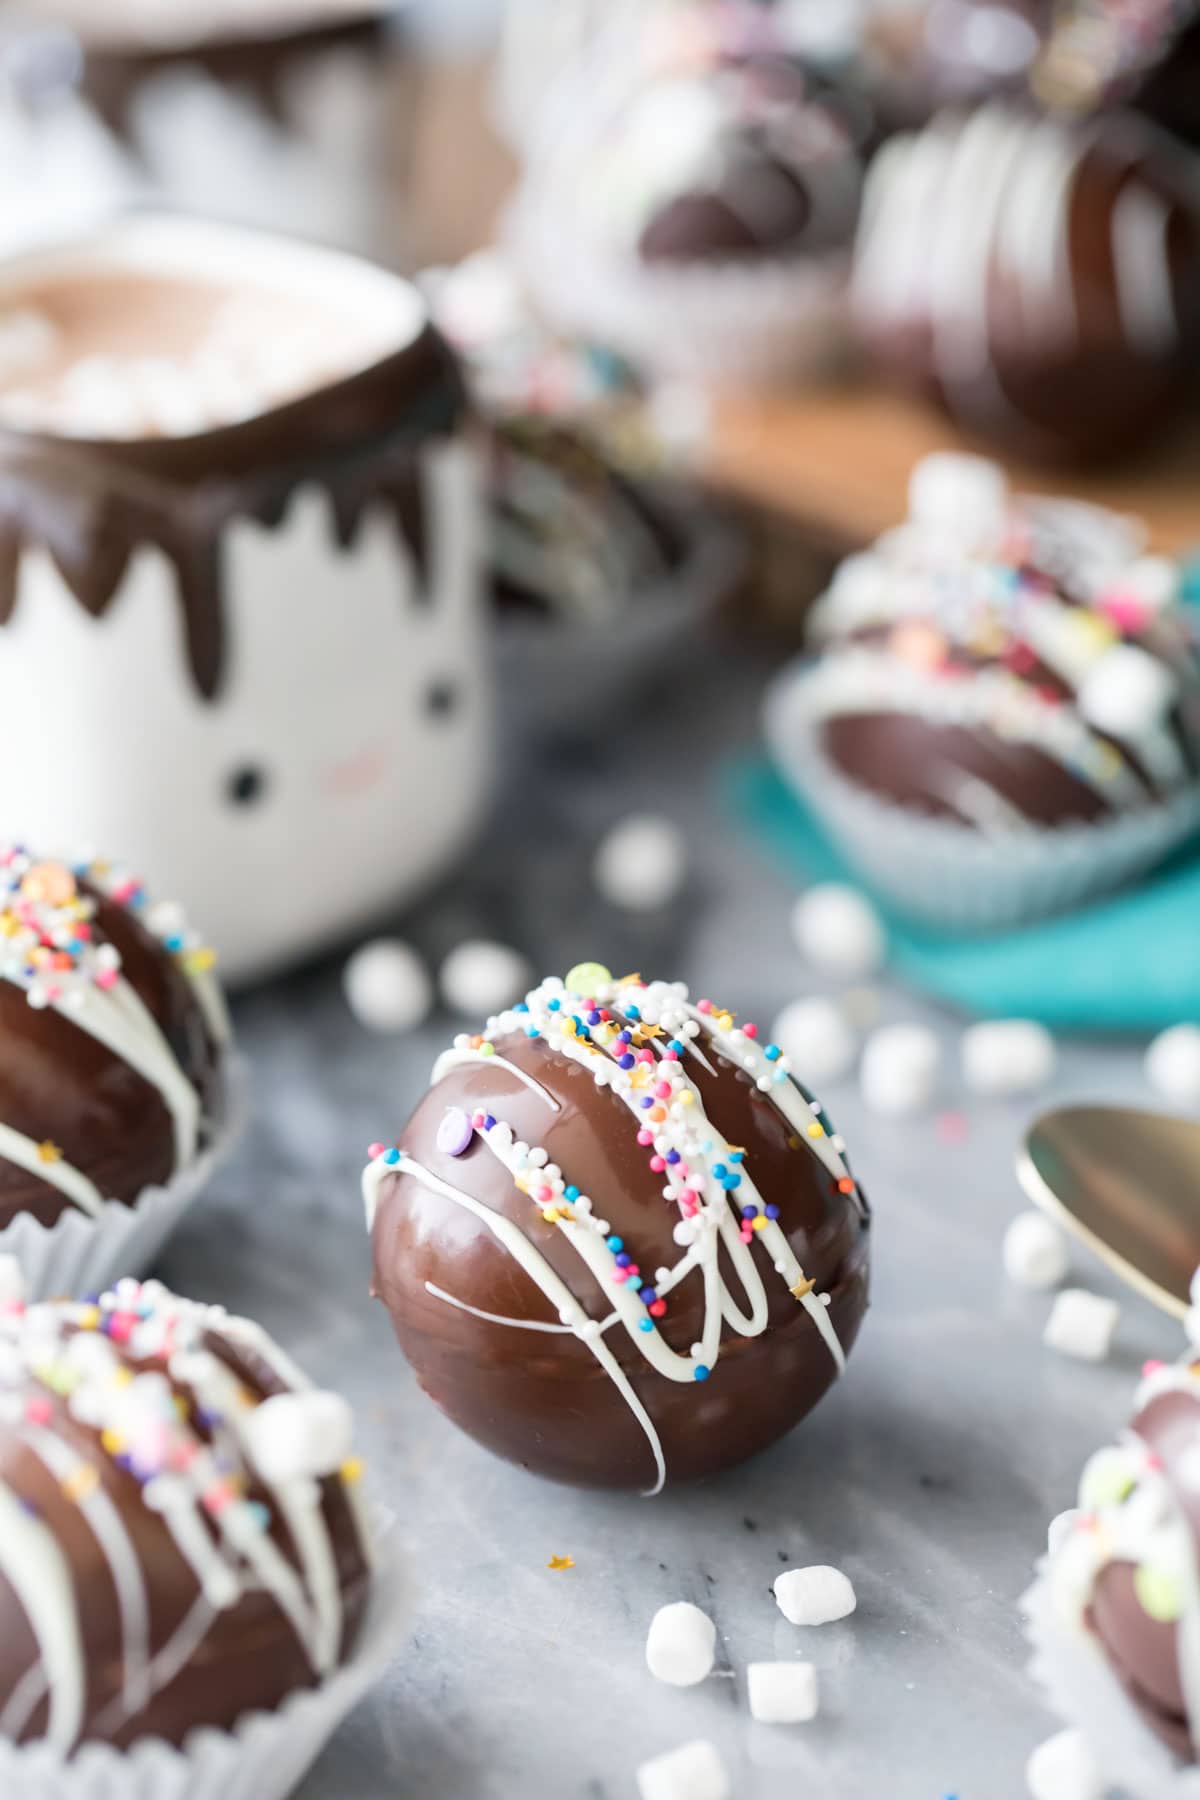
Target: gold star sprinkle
48, 1152
803, 1288
561, 1562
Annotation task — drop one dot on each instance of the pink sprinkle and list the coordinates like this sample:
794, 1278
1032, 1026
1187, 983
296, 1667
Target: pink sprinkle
951, 1127
670, 1056
632, 1272
38, 1410
477, 1120
690, 1194
645, 1056
106, 978
645, 1136
1153, 1366
658, 1164
374, 1150
620, 1274
83, 932
750, 1031
545, 1195
663, 1089
745, 1234
1128, 611
1154, 1464
704, 1006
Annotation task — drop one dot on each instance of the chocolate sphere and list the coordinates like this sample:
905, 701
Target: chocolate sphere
179, 1538
1124, 1573
1040, 281
619, 1242
112, 1029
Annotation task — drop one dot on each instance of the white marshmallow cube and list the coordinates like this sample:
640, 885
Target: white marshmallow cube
292, 1436
681, 1644
782, 1693
1007, 1056
1063, 1768
1173, 1065
481, 978
1035, 1251
900, 1069
692, 1772
816, 1039
839, 932
814, 1596
641, 864
387, 986
1081, 1325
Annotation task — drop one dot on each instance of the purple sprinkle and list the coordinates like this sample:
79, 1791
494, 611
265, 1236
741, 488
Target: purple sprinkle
489, 1122
627, 1061
749, 1212
772, 1212
648, 1294
455, 1132
624, 1260
673, 1156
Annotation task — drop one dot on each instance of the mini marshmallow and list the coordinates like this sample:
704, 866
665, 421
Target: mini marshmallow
641, 864
680, 1644
1007, 1056
1173, 1065
782, 1693
1061, 1527
12, 1281
1063, 1769
291, 1436
1035, 1251
900, 1069
815, 1596
387, 987
692, 1772
1127, 692
964, 497
481, 978
1081, 1324
839, 932
816, 1039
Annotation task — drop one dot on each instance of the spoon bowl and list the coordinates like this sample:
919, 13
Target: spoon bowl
1127, 1183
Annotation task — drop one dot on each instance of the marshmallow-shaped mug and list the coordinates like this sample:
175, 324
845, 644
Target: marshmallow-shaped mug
241, 539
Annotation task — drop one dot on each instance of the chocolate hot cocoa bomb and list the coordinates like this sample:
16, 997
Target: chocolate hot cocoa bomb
619, 1241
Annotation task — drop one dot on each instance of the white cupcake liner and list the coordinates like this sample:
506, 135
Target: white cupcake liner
82, 1254
731, 323
949, 874
262, 1758
1080, 1686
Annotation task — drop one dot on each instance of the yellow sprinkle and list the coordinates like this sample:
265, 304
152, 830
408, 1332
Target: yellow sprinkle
122, 1377
81, 1482
816, 1129
199, 962
551, 1215
687, 1098
561, 1562
49, 1152
112, 1441
726, 1021
88, 1317
759, 1223
352, 1470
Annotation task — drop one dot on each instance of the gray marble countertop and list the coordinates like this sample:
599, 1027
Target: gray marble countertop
929, 1474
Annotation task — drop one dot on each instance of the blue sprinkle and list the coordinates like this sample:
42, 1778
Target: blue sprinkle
627, 1061
701, 1371
645, 1324
391, 1156
520, 1007
719, 1170
772, 1053
673, 1156
749, 1212
648, 1294
646, 1103
615, 1243
553, 1005
624, 1260
594, 1018
632, 1012
677, 1046
731, 1182
737, 1156
571, 1193
259, 1513
532, 1031
772, 1212
489, 1123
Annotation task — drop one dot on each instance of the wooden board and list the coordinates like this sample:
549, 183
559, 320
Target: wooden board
836, 463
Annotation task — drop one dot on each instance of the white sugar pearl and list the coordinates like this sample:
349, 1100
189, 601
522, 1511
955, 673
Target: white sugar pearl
1173, 1065
839, 932
782, 1693
817, 1041
12, 1281
387, 986
965, 497
306, 1434
1063, 1768
483, 978
692, 1772
1127, 692
1007, 1056
814, 1596
900, 1068
641, 864
681, 1644
1035, 1251
1081, 1325
1061, 1527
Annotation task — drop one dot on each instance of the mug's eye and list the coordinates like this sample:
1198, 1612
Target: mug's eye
441, 698
246, 785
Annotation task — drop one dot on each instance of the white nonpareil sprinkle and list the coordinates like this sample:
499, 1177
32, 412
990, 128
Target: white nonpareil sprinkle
481, 978
782, 1693
681, 1644
816, 1039
1063, 1769
292, 1435
839, 932
1173, 1065
1060, 1528
964, 497
641, 864
900, 1069
1035, 1251
1007, 1056
815, 1596
387, 986
692, 1772
1081, 1324
1128, 692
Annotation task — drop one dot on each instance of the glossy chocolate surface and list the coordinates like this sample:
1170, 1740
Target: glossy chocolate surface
540, 1398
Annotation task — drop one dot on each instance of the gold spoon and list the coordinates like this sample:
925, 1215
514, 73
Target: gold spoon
1127, 1183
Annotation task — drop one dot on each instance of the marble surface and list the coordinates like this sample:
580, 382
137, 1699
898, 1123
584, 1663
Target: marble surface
929, 1474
